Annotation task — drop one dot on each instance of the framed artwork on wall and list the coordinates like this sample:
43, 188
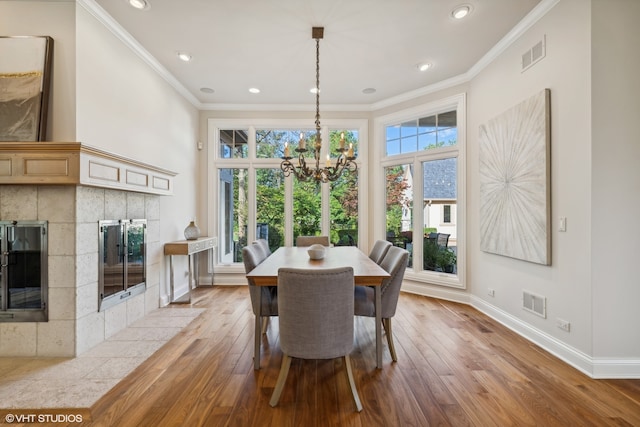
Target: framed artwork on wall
515, 178
25, 74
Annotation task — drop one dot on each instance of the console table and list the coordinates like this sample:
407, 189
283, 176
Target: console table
188, 248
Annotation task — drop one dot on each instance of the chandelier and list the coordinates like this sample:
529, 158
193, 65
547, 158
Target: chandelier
345, 159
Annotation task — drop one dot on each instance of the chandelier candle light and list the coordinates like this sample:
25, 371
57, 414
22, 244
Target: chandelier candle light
345, 155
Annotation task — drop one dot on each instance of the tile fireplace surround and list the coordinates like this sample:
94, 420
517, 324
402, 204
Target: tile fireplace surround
73, 212
72, 186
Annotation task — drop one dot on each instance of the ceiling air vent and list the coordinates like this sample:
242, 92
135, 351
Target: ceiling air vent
533, 55
535, 304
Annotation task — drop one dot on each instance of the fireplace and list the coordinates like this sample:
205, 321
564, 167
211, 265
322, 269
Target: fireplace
70, 188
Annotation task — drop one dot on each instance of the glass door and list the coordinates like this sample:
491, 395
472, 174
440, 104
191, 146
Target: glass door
135, 274
112, 262
23, 276
122, 271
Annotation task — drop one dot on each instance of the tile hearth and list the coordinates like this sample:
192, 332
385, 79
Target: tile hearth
36, 383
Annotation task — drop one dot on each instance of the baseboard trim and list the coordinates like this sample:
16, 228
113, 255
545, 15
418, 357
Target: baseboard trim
596, 368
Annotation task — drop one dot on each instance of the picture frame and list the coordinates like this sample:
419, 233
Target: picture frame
25, 78
515, 181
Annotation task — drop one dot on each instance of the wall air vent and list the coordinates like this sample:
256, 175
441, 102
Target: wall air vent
535, 304
533, 55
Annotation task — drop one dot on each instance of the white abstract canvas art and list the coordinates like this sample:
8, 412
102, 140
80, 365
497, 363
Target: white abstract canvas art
515, 211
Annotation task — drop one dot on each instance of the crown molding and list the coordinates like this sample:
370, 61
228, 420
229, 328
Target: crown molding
283, 107
516, 32
527, 22
105, 19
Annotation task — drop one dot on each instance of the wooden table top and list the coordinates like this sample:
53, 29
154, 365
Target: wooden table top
365, 271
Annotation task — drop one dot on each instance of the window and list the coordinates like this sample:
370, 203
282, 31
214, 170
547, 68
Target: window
233, 213
421, 165
399, 206
424, 133
251, 198
446, 214
233, 143
270, 202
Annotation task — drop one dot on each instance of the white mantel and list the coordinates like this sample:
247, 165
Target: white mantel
73, 163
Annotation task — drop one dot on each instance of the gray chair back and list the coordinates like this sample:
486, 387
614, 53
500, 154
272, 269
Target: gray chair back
264, 245
312, 240
379, 250
316, 312
395, 263
252, 256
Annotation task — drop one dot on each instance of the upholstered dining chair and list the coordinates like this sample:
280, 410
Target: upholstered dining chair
264, 299
316, 320
264, 245
379, 250
395, 263
312, 240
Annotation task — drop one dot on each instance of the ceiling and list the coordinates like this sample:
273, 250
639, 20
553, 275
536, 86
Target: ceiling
239, 44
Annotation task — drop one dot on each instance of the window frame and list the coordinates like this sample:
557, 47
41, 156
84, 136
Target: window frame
380, 160
215, 162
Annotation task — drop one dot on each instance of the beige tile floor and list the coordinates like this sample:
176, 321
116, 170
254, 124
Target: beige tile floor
80, 381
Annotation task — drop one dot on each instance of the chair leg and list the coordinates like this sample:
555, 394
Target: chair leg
352, 384
265, 322
256, 344
386, 323
282, 378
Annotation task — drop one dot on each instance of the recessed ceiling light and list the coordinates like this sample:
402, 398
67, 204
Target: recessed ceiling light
461, 11
424, 66
254, 90
139, 4
206, 90
184, 56
368, 90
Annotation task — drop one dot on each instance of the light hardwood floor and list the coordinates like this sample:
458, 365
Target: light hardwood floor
456, 367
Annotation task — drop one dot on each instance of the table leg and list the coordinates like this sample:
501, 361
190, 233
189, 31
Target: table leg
211, 260
190, 273
171, 290
378, 292
196, 270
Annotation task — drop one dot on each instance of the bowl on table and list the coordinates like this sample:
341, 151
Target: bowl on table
316, 251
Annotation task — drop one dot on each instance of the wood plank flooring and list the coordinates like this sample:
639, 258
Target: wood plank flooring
456, 367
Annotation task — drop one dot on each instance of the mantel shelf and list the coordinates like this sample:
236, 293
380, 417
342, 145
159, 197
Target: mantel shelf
74, 163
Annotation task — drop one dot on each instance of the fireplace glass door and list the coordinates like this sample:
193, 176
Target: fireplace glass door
23, 275
122, 260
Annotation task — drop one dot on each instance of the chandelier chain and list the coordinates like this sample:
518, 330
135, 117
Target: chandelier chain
318, 89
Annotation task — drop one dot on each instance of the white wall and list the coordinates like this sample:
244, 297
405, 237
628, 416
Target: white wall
615, 228
566, 72
125, 107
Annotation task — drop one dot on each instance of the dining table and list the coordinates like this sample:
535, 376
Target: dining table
365, 273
